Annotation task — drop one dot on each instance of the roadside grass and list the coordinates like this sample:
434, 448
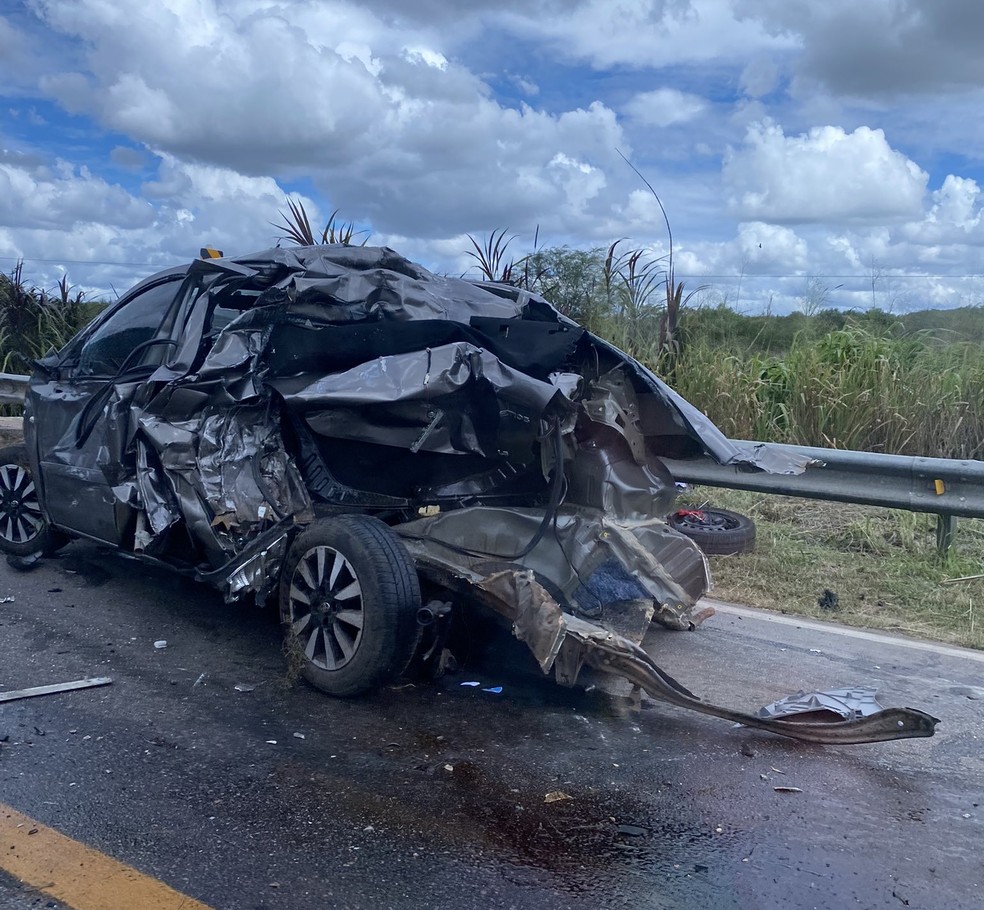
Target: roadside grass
881, 563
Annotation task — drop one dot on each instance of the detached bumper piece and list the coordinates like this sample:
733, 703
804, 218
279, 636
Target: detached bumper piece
586, 645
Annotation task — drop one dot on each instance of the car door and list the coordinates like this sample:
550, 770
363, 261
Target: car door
80, 413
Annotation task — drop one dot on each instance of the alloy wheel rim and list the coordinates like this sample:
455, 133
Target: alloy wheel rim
21, 520
327, 613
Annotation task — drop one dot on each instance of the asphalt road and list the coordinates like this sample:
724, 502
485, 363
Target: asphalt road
436, 794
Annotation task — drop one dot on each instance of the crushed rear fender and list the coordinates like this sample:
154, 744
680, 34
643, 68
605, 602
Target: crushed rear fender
605, 556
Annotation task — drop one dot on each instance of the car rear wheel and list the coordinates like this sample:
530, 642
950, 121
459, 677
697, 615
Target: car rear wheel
24, 530
718, 532
349, 597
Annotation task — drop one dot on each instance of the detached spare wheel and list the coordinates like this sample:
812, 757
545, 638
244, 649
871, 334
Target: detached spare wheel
718, 532
349, 598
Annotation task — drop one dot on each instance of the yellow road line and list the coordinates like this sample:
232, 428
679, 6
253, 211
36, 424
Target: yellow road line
77, 875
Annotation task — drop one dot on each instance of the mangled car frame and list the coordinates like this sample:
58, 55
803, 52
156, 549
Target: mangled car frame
379, 447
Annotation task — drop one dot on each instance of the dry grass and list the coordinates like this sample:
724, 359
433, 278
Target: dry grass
881, 563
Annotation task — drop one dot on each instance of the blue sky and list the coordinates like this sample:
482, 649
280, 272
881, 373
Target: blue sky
806, 153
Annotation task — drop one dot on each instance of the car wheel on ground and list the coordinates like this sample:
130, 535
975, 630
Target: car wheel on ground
718, 532
349, 597
24, 530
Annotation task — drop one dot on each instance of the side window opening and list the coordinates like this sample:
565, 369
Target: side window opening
134, 323
229, 309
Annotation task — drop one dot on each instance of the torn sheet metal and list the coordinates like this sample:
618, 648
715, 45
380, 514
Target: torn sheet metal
576, 643
611, 655
687, 422
565, 644
595, 564
445, 399
258, 573
246, 476
848, 704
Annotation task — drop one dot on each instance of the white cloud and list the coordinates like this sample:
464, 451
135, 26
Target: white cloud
822, 176
879, 47
956, 213
382, 119
766, 247
65, 199
759, 77
387, 109
643, 33
67, 215
664, 106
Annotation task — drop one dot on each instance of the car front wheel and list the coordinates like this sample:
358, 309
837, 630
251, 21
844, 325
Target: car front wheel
23, 528
349, 597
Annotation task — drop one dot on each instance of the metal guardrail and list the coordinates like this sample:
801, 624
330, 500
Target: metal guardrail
943, 486
13, 387
947, 487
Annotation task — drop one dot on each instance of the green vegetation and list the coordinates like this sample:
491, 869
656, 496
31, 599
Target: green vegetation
34, 321
881, 564
908, 385
890, 391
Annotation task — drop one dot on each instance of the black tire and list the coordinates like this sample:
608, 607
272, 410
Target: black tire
24, 531
349, 597
718, 532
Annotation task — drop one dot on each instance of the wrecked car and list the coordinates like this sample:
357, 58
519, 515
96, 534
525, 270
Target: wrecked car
378, 447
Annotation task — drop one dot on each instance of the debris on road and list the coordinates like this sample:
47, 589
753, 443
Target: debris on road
54, 688
849, 704
556, 796
787, 789
244, 687
160, 644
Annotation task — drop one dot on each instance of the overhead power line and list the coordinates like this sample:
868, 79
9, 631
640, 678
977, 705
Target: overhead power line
139, 265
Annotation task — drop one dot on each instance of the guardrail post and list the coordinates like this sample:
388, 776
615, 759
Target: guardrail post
946, 530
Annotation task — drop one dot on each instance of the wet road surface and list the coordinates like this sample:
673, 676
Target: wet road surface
447, 796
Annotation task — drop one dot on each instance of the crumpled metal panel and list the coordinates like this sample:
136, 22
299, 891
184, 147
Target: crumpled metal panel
596, 564
849, 703
259, 574
382, 285
245, 475
690, 421
155, 494
422, 392
375, 282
